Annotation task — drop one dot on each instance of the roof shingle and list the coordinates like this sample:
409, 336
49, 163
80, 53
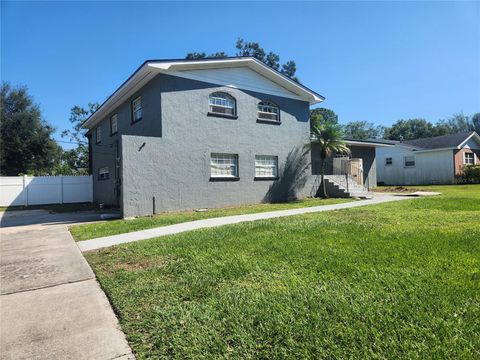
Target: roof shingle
437, 142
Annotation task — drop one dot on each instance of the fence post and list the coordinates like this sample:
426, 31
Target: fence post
25, 188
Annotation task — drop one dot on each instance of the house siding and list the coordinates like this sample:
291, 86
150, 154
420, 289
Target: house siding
459, 158
367, 154
432, 167
175, 168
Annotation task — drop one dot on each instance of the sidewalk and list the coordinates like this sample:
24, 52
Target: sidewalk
51, 304
107, 241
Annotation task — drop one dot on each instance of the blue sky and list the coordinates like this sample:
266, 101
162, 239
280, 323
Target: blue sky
374, 61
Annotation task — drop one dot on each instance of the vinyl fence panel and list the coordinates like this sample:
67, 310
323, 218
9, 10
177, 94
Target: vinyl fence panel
40, 190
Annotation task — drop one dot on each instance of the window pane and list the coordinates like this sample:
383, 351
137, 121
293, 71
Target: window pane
268, 110
223, 165
409, 161
103, 173
99, 134
137, 108
266, 166
469, 158
114, 124
222, 103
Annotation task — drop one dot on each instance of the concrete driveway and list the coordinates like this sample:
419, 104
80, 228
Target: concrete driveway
51, 306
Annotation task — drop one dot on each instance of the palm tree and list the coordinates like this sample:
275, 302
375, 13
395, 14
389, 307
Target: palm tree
328, 138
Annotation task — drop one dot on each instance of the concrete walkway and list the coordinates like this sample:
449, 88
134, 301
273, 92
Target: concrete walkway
107, 241
51, 306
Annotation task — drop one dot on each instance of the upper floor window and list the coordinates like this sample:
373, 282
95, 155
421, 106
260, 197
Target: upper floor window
222, 103
98, 134
137, 109
409, 161
469, 158
268, 111
114, 124
388, 161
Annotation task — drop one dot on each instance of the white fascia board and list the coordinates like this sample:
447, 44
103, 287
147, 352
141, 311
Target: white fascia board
152, 68
432, 150
140, 78
255, 65
367, 144
215, 81
472, 135
409, 147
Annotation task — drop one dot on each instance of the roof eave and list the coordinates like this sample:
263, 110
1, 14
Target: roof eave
156, 66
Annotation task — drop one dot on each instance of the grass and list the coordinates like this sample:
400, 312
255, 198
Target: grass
396, 280
54, 208
120, 226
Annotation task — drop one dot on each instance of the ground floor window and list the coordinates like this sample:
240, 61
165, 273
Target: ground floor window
103, 173
409, 161
266, 166
223, 165
388, 161
469, 158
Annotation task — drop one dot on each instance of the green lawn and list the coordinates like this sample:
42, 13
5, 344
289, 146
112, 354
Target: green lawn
113, 227
390, 281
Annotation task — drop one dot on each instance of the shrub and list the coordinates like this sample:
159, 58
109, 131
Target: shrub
470, 175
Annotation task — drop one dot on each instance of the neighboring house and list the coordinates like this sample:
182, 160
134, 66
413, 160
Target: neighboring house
435, 160
187, 134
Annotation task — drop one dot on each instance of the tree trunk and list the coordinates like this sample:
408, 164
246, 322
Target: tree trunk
323, 187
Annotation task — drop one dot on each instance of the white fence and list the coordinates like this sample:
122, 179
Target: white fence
40, 190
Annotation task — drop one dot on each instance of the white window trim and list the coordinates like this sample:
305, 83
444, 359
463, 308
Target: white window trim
137, 106
227, 98
103, 173
233, 164
112, 119
465, 158
405, 161
98, 134
259, 158
264, 105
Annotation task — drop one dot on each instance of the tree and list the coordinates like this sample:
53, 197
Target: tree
26, 146
409, 130
289, 69
273, 60
476, 122
328, 138
320, 116
202, 55
363, 130
456, 123
77, 158
248, 48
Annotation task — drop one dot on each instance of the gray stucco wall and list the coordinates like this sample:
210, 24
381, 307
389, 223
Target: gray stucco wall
367, 154
175, 168
105, 152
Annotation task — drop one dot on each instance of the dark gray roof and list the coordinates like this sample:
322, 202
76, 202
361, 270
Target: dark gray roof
438, 142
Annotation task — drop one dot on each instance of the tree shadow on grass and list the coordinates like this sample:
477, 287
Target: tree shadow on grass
292, 177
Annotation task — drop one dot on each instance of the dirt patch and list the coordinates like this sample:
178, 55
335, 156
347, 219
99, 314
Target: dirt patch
395, 189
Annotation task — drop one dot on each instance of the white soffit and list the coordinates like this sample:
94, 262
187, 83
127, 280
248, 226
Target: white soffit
247, 74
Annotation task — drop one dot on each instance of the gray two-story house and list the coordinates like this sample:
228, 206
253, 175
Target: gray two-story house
188, 134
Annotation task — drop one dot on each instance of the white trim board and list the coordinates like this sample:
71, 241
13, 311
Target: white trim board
212, 77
